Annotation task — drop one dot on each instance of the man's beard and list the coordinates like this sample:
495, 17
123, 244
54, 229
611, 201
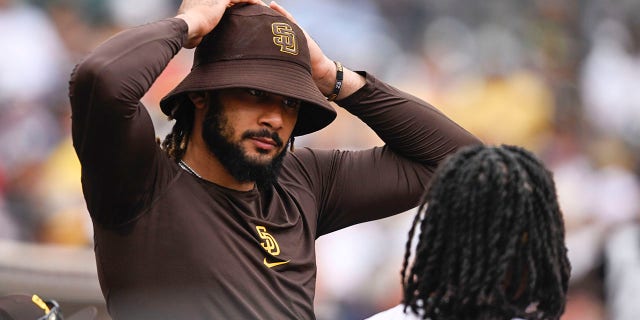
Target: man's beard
217, 134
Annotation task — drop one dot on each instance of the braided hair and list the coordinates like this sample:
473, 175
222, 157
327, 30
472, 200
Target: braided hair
175, 143
491, 240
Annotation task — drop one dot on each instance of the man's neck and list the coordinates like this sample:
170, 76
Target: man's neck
206, 165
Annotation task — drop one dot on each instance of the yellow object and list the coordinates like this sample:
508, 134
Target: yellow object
40, 303
514, 109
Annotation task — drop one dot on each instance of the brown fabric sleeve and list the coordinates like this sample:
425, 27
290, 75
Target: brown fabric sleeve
112, 132
372, 184
411, 127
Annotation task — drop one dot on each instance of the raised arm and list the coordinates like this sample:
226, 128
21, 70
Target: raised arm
371, 184
366, 185
112, 132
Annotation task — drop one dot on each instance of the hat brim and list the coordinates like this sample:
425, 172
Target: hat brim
275, 76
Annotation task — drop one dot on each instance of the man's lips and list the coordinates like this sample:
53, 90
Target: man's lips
264, 143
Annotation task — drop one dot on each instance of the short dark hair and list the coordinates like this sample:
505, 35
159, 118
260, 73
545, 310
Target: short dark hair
491, 242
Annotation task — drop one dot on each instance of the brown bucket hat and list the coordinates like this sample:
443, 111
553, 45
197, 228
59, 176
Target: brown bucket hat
255, 47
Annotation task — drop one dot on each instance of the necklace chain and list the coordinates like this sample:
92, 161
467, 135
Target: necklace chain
186, 167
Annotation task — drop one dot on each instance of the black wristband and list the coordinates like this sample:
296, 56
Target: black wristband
338, 86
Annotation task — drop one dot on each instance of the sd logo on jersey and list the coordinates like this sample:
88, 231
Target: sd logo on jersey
270, 245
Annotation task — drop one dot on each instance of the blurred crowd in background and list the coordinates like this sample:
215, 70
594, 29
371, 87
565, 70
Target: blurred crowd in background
561, 78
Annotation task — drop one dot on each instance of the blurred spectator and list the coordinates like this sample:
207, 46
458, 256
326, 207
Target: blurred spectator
31, 60
505, 102
59, 193
32, 69
610, 77
597, 191
622, 277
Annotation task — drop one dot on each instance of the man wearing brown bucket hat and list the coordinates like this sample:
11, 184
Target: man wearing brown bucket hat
220, 220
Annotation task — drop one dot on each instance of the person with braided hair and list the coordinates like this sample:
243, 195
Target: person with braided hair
220, 220
491, 241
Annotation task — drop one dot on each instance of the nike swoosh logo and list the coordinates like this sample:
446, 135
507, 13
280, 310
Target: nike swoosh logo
274, 264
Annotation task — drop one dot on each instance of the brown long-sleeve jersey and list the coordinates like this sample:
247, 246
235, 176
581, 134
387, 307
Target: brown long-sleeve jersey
172, 246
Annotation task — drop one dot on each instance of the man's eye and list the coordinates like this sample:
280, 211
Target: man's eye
256, 92
291, 103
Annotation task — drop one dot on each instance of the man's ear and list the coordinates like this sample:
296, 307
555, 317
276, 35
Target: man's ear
198, 98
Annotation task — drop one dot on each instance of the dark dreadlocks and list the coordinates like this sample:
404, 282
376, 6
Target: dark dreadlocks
175, 143
491, 242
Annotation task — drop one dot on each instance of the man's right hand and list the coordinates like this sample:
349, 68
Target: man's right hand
203, 15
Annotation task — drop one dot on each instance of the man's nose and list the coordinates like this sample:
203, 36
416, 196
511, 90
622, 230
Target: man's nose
271, 115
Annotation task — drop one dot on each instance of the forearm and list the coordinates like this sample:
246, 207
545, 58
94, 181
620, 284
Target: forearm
408, 125
384, 181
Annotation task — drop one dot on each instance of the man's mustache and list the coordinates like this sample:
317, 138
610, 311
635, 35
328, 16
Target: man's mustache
263, 134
